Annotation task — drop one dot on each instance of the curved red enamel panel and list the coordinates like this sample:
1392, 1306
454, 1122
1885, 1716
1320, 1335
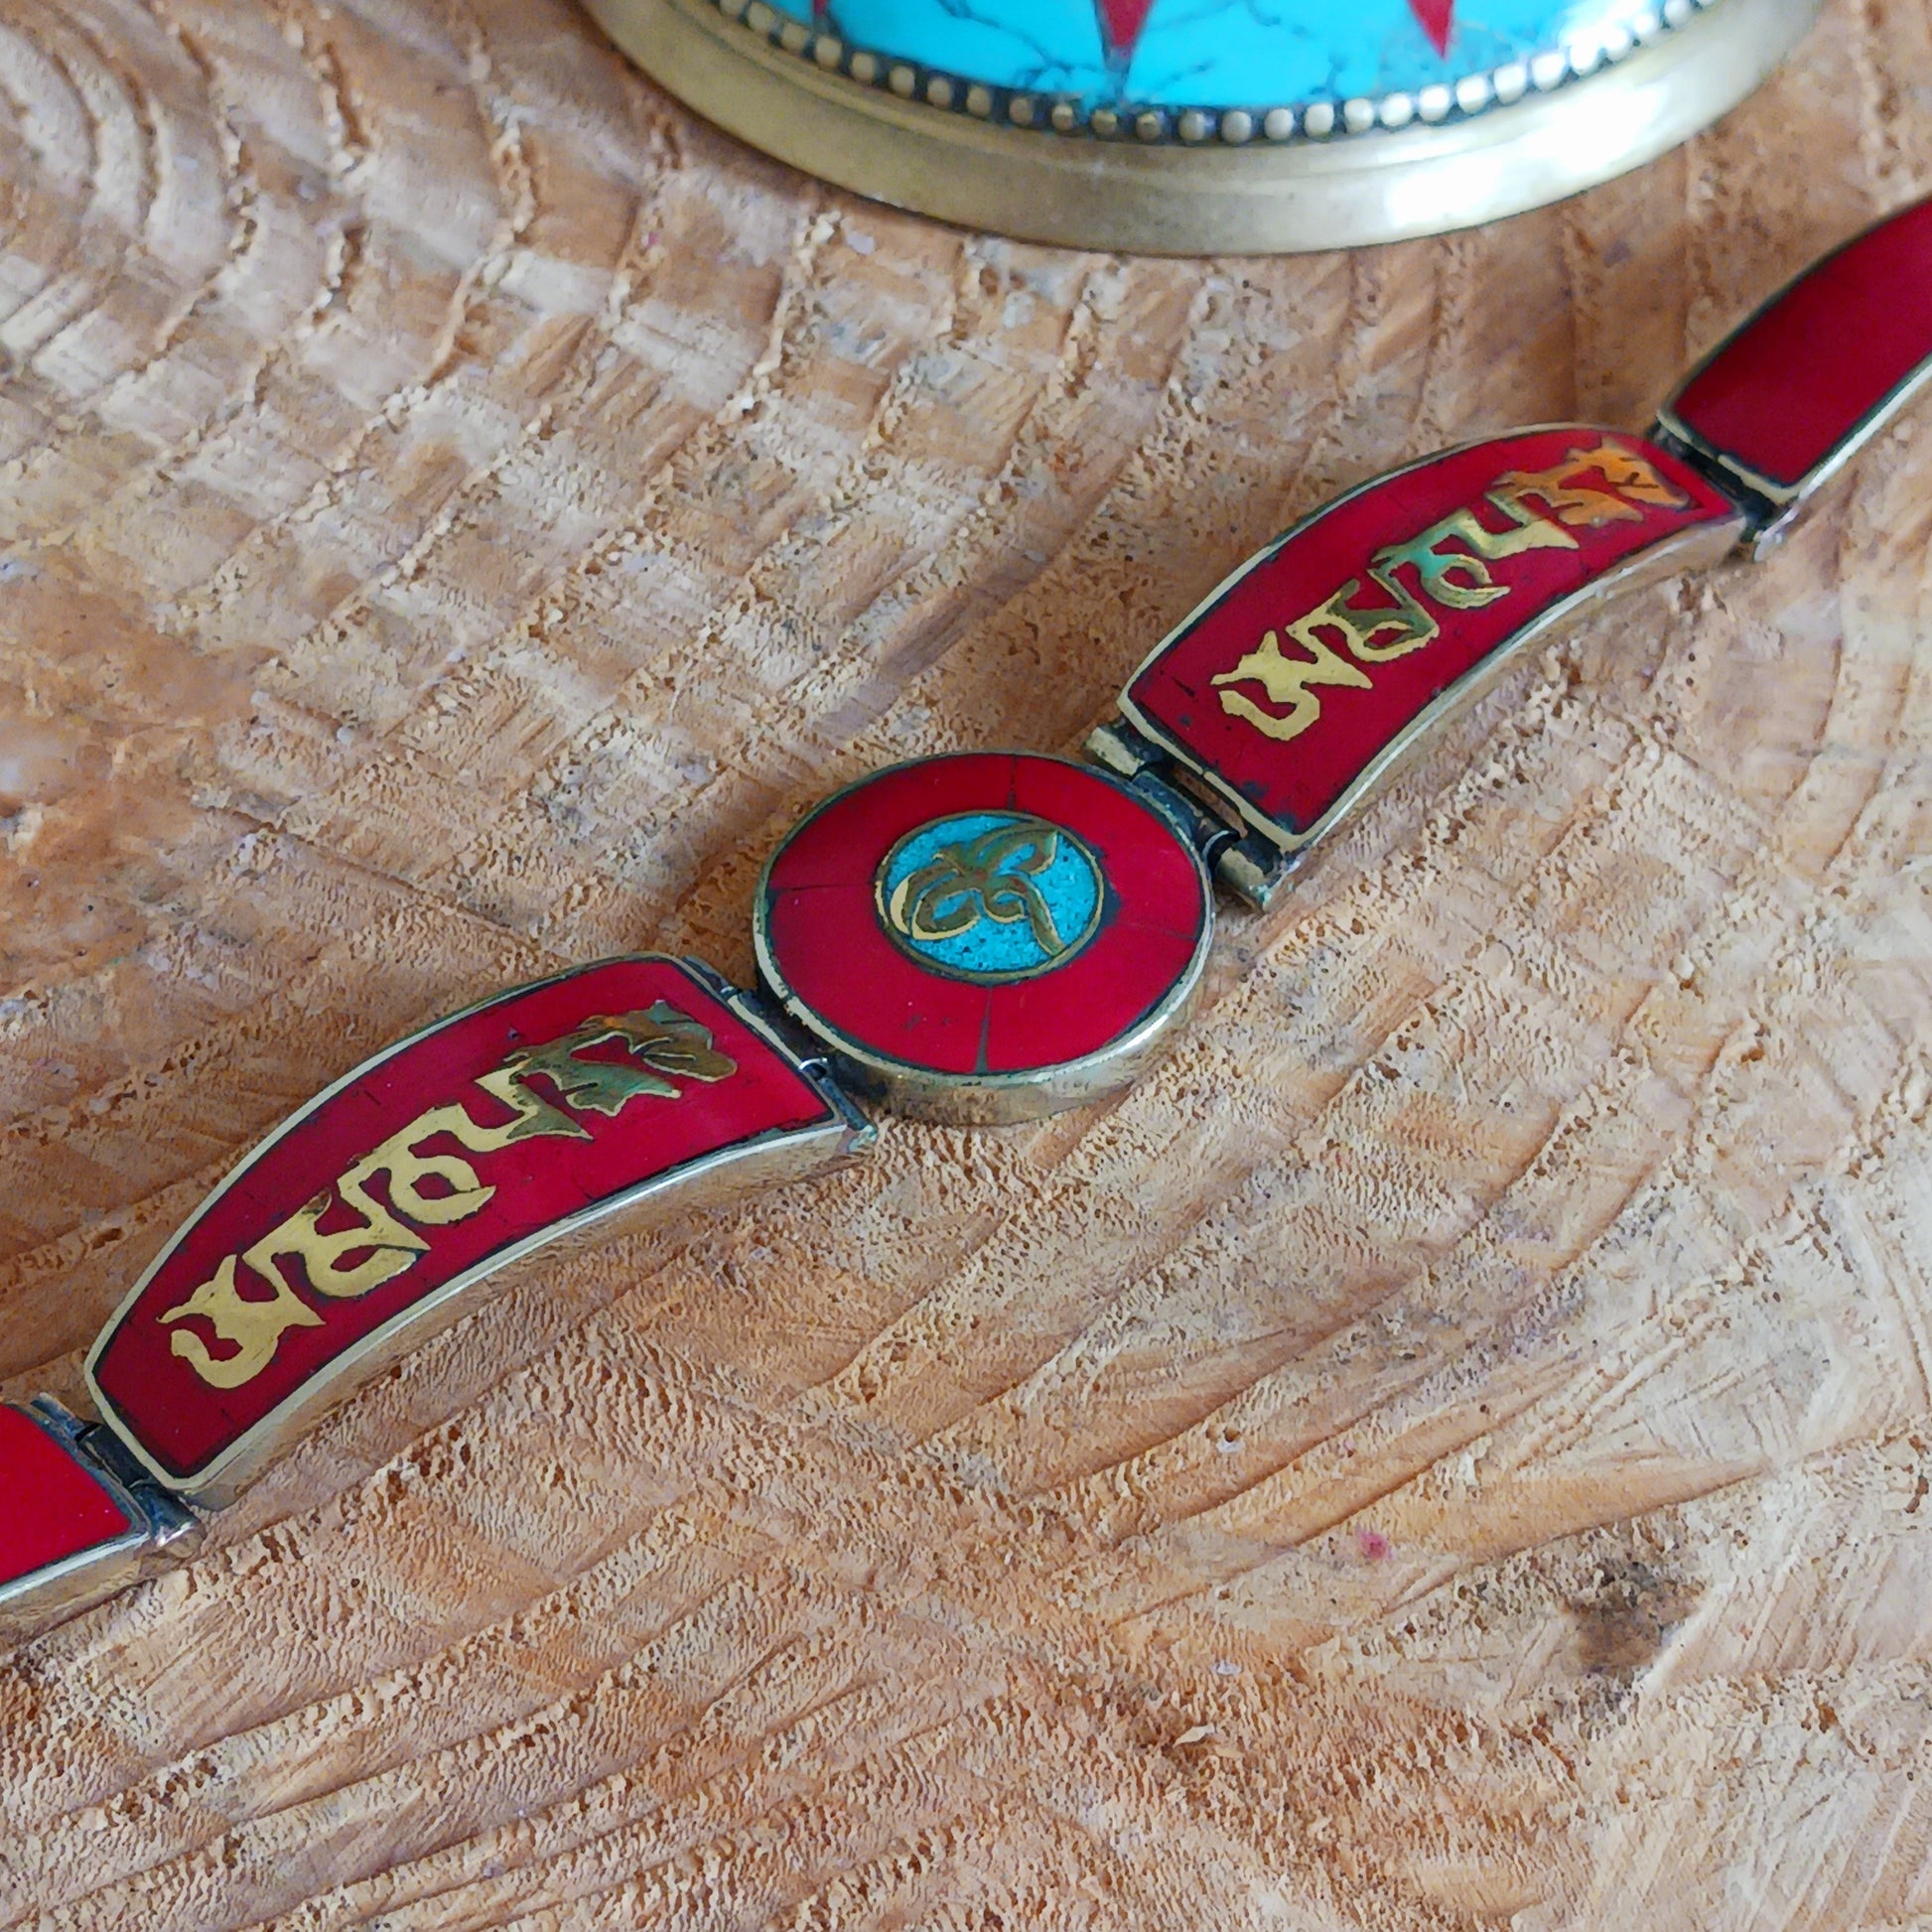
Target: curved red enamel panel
826, 940
425, 1166
1311, 661
1808, 372
51, 1507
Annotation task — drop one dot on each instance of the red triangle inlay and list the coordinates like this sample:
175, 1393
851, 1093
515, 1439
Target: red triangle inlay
1121, 22
1438, 19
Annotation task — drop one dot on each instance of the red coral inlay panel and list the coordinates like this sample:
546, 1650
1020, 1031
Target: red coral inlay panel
1309, 663
1436, 19
1808, 370
424, 1167
1121, 22
51, 1507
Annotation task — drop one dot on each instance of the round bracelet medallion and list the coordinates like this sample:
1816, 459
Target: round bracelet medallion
989, 936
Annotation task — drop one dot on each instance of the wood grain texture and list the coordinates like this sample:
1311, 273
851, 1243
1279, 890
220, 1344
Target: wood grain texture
1451, 1449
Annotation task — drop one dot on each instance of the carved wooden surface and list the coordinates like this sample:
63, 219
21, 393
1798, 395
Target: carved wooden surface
1452, 1449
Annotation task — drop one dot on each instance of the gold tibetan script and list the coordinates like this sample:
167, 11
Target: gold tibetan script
988, 876
1451, 561
377, 1241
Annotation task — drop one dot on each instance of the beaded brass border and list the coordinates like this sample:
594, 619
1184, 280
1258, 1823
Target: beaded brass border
1199, 180
1317, 119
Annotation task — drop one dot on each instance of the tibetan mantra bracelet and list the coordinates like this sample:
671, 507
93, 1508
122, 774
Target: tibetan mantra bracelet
981, 937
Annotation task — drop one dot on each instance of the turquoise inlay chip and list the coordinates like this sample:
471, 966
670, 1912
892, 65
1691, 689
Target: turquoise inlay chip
989, 895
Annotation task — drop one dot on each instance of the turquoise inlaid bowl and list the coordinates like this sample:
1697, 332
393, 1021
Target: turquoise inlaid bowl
1201, 126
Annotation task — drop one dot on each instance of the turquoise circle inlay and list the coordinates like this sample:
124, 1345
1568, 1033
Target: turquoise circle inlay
1221, 53
989, 895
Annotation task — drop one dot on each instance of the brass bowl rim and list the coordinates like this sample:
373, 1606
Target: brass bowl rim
1187, 198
